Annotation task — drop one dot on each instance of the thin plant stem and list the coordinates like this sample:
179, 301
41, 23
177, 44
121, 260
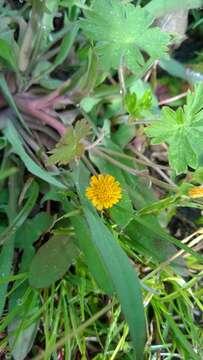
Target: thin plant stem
154, 166
172, 99
89, 165
119, 164
122, 79
50, 120
128, 157
175, 256
135, 172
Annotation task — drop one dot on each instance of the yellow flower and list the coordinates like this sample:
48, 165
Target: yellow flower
196, 192
104, 191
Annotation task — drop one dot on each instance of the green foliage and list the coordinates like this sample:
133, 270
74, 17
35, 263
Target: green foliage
125, 283
160, 7
122, 32
6, 258
135, 106
70, 145
182, 130
8, 240
52, 261
12, 135
21, 337
7, 55
75, 104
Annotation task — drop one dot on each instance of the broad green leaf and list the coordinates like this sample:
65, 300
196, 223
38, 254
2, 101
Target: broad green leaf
94, 262
182, 130
87, 103
181, 154
159, 8
7, 54
123, 135
13, 137
122, 32
32, 230
120, 271
70, 146
52, 261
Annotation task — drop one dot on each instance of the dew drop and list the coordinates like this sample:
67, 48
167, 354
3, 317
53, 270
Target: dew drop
19, 302
50, 37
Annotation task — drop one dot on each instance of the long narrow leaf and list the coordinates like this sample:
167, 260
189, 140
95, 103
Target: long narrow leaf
66, 46
11, 102
161, 7
123, 277
94, 261
6, 258
12, 136
22, 215
8, 237
118, 267
181, 338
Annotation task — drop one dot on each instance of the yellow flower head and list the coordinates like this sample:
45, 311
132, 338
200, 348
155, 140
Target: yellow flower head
196, 192
104, 191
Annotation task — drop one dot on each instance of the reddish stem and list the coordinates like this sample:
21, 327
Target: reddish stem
31, 107
49, 120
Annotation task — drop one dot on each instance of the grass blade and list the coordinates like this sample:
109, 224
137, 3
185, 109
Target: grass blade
12, 136
9, 98
181, 337
6, 257
22, 215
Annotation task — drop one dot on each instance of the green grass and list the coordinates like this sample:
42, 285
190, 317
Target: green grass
80, 92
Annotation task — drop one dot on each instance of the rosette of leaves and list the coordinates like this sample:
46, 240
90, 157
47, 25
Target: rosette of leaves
123, 33
182, 130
